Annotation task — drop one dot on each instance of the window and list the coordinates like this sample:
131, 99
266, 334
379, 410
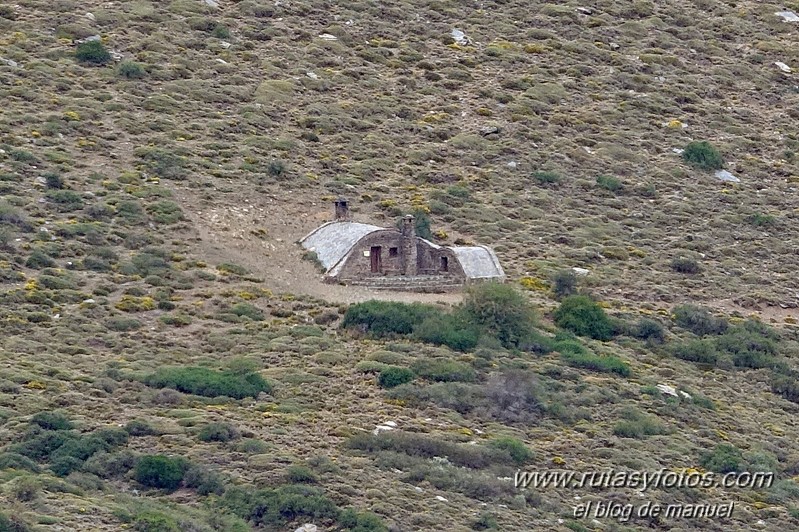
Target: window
393, 252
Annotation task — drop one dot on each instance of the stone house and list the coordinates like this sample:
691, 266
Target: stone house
358, 253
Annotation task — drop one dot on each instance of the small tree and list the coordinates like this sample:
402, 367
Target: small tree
703, 155
564, 284
159, 471
584, 317
500, 311
92, 52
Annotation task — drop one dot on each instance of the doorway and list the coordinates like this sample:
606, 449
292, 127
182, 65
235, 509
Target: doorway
444, 264
376, 259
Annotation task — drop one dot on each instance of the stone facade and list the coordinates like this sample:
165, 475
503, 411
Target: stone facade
358, 253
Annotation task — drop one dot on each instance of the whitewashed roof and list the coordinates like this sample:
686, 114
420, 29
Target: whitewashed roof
333, 241
478, 262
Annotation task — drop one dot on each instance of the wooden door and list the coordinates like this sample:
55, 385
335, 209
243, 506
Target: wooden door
376, 259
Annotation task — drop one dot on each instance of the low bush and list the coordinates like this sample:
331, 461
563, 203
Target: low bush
700, 351
248, 310
698, 320
386, 318
499, 311
649, 330
724, 458
131, 70
203, 480
685, 265
444, 370
208, 382
702, 155
273, 508
564, 284
584, 317
600, 363
159, 471
422, 446
517, 450
219, 432
300, 474
638, 425
51, 421
786, 386
92, 52
155, 522
17, 461
546, 178
450, 330
137, 427
392, 376
609, 183
12, 524
751, 344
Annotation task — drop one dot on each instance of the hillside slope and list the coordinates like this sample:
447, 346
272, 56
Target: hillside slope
151, 198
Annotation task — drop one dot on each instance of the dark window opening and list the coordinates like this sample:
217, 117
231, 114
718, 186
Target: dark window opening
393, 252
444, 264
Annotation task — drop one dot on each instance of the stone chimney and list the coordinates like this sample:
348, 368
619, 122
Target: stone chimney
408, 245
342, 209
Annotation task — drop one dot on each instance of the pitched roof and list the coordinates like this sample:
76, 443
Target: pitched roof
478, 262
332, 241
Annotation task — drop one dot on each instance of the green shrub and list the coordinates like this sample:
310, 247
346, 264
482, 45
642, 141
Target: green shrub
12, 524
235, 269
601, 363
685, 265
248, 310
300, 474
564, 283
138, 427
92, 52
609, 183
165, 212
517, 450
277, 168
53, 181
17, 461
500, 311
698, 320
450, 330
751, 344
650, 330
38, 260
638, 425
203, 480
724, 458
485, 521
444, 370
584, 317
392, 376
699, 351
52, 421
208, 382
546, 178
386, 318
786, 386
762, 220
123, 324
422, 224
155, 522
221, 432
131, 70
355, 521
159, 471
702, 155
273, 507
423, 446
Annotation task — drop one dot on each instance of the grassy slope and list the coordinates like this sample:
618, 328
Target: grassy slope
392, 119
